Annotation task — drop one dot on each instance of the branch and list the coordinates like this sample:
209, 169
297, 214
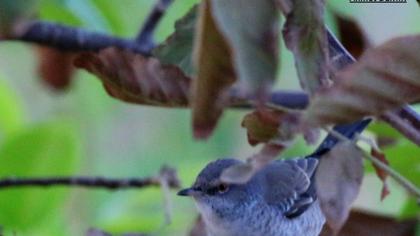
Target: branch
69, 38
407, 121
145, 36
166, 175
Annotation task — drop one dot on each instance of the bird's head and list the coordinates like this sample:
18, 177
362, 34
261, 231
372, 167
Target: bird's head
213, 196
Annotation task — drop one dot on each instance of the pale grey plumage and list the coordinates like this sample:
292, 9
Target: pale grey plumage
277, 201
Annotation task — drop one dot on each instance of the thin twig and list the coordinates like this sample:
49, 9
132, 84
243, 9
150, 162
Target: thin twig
168, 174
145, 36
407, 184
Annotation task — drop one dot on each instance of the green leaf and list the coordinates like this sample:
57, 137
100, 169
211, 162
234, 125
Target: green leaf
177, 48
404, 159
383, 129
89, 13
251, 29
305, 35
52, 149
12, 115
111, 15
411, 209
56, 11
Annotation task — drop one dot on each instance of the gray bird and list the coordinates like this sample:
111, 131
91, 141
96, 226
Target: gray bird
279, 200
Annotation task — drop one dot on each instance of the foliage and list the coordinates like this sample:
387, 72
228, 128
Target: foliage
217, 54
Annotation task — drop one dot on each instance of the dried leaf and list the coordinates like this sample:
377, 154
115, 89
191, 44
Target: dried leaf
177, 48
242, 173
55, 67
215, 74
305, 35
134, 78
352, 35
238, 174
384, 78
265, 126
338, 179
251, 28
380, 172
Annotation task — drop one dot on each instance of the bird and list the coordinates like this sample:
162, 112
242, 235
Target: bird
279, 200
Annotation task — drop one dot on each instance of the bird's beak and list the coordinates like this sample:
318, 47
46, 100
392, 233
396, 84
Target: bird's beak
188, 192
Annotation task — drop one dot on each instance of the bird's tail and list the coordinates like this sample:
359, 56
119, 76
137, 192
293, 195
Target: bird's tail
348, 130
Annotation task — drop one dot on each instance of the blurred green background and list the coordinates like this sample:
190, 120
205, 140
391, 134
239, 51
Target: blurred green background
85, 132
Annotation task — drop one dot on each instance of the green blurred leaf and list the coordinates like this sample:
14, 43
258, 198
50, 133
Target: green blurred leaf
411, 209
12, 114
56, 11
404, 158
110, 14
52, 149
382, 129
89, 14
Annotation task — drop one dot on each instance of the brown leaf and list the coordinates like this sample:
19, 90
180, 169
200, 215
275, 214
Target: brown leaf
242, 173
305, 35
215, 73
265, 126
381, 173
338, 179
134, 78
384, 78
352, 35
55, 67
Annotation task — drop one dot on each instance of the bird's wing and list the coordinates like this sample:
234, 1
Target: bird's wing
289, 185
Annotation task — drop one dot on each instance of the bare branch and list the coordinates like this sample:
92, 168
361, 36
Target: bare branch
145, 36
167, 175
405, 120
69, 38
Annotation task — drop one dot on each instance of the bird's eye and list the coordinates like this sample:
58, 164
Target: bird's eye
222, 188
